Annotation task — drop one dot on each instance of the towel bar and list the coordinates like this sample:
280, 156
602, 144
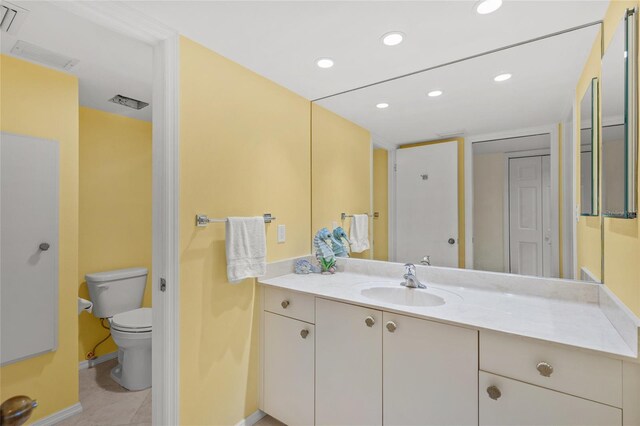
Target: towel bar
203, 220
375, 215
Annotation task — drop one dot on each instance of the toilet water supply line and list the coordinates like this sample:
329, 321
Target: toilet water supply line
91, 355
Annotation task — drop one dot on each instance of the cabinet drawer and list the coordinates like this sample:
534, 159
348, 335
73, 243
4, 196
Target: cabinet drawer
290, 304
510, 402
568, 370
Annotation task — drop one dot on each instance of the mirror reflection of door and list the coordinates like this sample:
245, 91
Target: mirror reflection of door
427, 204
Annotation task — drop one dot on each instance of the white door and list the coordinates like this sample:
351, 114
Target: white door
427, 204
525, 216
289, 353
348, 364
29, 246
546, 216
517, 403
430, 373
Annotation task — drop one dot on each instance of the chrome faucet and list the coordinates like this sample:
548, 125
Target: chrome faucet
410, 279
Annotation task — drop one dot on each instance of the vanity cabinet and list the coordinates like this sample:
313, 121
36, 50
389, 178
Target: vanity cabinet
288, 379
430, 372
348, 364
375, 367
508, 402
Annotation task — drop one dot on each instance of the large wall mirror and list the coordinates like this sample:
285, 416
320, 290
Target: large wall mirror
619, 121
589, 151
472, 162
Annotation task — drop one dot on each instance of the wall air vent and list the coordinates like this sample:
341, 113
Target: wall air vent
11, 17
128, 102
46, 57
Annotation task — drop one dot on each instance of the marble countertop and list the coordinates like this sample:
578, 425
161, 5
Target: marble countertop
580, 323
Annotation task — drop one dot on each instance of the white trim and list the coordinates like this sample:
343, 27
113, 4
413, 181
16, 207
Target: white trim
59, 416
252, 419
575, 213
586, 275
392, 206
468, 204
90, 363
124, 19
508, 134
555, 205
372, 237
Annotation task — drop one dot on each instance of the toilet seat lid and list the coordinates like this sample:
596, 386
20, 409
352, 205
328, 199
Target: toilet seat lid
136, 321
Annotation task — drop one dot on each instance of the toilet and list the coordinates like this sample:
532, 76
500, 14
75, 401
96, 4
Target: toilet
117, 295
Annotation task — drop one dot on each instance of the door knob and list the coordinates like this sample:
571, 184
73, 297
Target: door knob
451, 241
391, 326
369, 321
284, 304
44, 246
304, 333
494, 392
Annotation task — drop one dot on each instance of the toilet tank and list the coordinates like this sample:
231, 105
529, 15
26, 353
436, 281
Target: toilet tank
113, 292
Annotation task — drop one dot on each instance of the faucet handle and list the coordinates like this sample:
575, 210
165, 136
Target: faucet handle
411, 268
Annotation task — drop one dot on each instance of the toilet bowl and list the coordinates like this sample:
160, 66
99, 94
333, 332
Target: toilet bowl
131, 331
117, 295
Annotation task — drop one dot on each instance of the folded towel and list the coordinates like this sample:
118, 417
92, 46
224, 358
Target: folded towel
246, 245
359, 233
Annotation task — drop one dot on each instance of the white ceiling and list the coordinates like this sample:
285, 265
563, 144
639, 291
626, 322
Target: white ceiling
281, 40
109, 63
541, 92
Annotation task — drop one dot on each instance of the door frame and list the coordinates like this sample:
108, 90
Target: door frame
126, 20
506, 205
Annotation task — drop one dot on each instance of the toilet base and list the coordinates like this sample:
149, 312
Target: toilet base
132, 372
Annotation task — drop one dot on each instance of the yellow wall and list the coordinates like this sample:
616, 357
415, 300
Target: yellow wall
381, 204
244, 151
589, 253
622, 236
41, 102
461, 193
115, 207
341, 171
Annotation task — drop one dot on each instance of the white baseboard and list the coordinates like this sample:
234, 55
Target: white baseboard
102, 358
252, 419
59, 416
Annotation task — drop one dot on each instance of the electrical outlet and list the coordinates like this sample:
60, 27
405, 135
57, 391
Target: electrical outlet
282, 233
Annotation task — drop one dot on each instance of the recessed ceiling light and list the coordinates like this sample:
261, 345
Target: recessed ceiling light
435, 93
393, 38
382, 105
488, 6
324, 62
502, 77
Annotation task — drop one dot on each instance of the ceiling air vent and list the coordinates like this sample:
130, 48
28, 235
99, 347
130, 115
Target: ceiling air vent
128, 102
43, 56
11, 17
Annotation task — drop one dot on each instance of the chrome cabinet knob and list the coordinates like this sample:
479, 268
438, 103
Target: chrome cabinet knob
284, 304
370, 321
44, 246
304, 333
545, 369
494, 392
391, 326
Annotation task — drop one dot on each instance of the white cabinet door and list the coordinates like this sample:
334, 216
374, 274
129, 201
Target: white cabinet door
430, 373
348, 364
288, 369
518, 403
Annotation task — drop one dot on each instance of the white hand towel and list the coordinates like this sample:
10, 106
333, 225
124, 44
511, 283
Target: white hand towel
246, 245
359, 233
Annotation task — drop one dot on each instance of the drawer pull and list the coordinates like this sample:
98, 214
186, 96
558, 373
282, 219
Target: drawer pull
391, 326
370, 321
284, 304
494, 392
545, 369
304, 333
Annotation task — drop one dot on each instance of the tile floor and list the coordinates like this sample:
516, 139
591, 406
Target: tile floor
268, 421
104, 402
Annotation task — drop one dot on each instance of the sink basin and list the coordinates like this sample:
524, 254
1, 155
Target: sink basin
403, 296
